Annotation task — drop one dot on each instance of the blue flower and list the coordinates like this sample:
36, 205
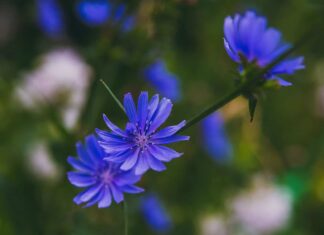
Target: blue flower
98, 12
139, 146
249, 41
50, 17
104, 180
155, 214
162, 80
128, 24
94, 12
215, 140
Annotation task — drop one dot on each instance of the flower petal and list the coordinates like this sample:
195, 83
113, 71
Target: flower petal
91, 192
119, 156
95, 199
113, 127
83, 154
142, 108
132, 189
125, 178
130, 108
81, 179
289, 66
77, 199
111, 147
106, 199
168, 131
141, 166
117, 194
153, 105
163, 153
170, 139
78, 165
281, 81
161, 114
107, 136
130, 161
154, 163
95, 152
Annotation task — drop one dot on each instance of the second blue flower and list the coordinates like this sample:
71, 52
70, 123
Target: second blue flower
139, 146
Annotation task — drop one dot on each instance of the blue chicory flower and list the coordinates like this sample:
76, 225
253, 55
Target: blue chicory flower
215, 139
119, 12
104, 180
248, 40
162, 80
94, 12
139, 146
50, 17
155, 214
98, 12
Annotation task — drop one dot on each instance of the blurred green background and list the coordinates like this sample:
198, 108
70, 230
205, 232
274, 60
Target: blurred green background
284, 146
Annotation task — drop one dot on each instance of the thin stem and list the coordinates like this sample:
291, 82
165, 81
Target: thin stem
226, 99
113, 95
125, 217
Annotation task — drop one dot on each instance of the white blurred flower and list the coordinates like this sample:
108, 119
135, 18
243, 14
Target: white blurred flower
41, 164
213, 225
263, 209
61, 78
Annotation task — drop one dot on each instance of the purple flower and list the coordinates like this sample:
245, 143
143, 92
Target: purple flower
139, 146
162, 80
50, 17
98, 12
249, 41
215, 140
94, 12
155, 214
104, 180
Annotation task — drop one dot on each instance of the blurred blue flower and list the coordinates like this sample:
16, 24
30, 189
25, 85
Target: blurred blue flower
162, 80
155, 214
94, 12
50, 17
140, 147
104, 180
248, 40
98, 12
215, 140
119, 12
128, 23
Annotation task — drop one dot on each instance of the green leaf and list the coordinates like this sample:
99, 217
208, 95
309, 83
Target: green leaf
252, 105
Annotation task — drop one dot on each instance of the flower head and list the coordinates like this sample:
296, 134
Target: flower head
98, 12
249, 41
94, 12
155, 214
104, 180
264, 208
50, 17
62, 78
139, 146
162, 80
216, 142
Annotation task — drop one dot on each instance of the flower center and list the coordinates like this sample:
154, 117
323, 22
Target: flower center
141, 141
106, 176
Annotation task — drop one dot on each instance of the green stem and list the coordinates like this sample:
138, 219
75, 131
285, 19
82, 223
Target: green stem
113, 95
226, 99
125, 217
